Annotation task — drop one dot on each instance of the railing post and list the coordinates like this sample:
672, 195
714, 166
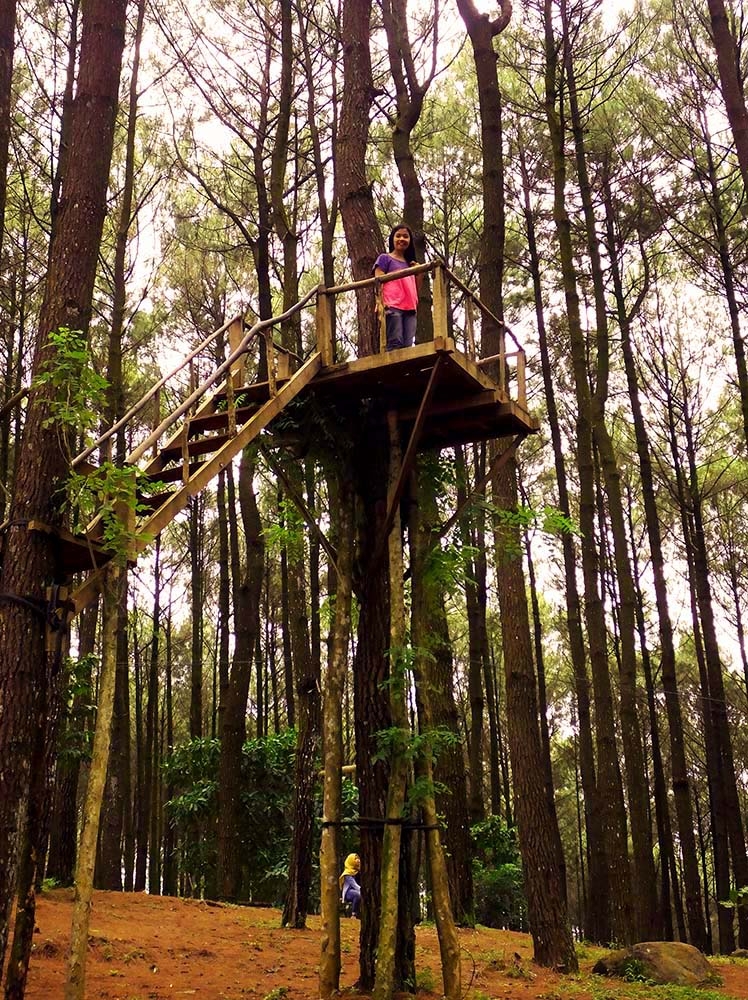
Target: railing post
270, 356
503, 383
521, 379
324, 327
156, 419
236, 332
440, 304
231, 406
382, 318
470, 328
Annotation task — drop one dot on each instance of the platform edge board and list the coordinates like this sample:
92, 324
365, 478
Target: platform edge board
371, 362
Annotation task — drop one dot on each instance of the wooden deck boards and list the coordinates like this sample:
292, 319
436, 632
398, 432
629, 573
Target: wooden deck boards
467, 405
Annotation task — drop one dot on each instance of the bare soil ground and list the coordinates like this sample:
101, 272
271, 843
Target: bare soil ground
151, 948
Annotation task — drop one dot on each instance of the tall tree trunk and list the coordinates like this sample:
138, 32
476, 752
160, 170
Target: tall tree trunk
449, 766
536, 822
308, 681
329, 966
75, 987
678, 766
31, 848
234, 703
170, 866
371, 711
538, 830
362, 233
475, 581
728, 64
64, 826
197, 532
224, 594
29, 557
152, 770
714, 770
595, 908
716, 690
7, 51
613, 821
648, 921
385, 979
116, 802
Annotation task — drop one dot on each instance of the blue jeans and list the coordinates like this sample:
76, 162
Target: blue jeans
401, 327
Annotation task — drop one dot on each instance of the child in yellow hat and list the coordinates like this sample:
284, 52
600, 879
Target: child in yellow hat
350, 890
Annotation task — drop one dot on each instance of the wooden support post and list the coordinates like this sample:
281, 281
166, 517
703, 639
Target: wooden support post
231, 405
470, 325
502, 360
324, 328
185, 443
441, 304
406, 465
236, 332
283, 365
521, 380
156, 419
382, 316
270, 359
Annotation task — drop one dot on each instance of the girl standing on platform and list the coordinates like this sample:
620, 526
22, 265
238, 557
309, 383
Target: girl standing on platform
400, 297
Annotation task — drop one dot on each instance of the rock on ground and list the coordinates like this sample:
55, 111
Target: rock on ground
658, 962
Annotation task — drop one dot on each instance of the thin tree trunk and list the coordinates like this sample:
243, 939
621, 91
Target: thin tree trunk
197, 531
7, 51
679, 769
384, 982
646, 904
596, 911
75, 987
449, 767
308, 682
329, 966
234, 706
476, 619
152, 770
170, 867
612, 817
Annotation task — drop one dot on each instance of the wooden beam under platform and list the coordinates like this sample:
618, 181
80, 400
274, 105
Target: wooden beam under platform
466, 404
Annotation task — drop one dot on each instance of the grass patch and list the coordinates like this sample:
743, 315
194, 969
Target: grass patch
605, 988
425, 980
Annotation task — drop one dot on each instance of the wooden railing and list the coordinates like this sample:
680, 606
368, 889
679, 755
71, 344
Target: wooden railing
457, 313
453, 315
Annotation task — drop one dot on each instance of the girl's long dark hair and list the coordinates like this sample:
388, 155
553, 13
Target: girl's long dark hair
410, 253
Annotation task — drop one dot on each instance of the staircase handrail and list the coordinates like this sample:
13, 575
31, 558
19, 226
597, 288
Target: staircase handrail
197, 393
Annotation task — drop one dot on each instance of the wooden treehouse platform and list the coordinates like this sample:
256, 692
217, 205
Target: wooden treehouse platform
443, 392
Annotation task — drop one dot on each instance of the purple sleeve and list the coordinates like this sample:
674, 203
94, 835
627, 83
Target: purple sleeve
383, 262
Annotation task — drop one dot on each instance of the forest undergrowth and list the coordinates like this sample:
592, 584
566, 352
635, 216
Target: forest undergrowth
144, 947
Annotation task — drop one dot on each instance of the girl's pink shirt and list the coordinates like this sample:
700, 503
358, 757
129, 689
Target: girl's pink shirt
401, 294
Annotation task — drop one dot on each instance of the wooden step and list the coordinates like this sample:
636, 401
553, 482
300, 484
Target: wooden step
195, 447
148, 505
247, 395
220, 419
174, 475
